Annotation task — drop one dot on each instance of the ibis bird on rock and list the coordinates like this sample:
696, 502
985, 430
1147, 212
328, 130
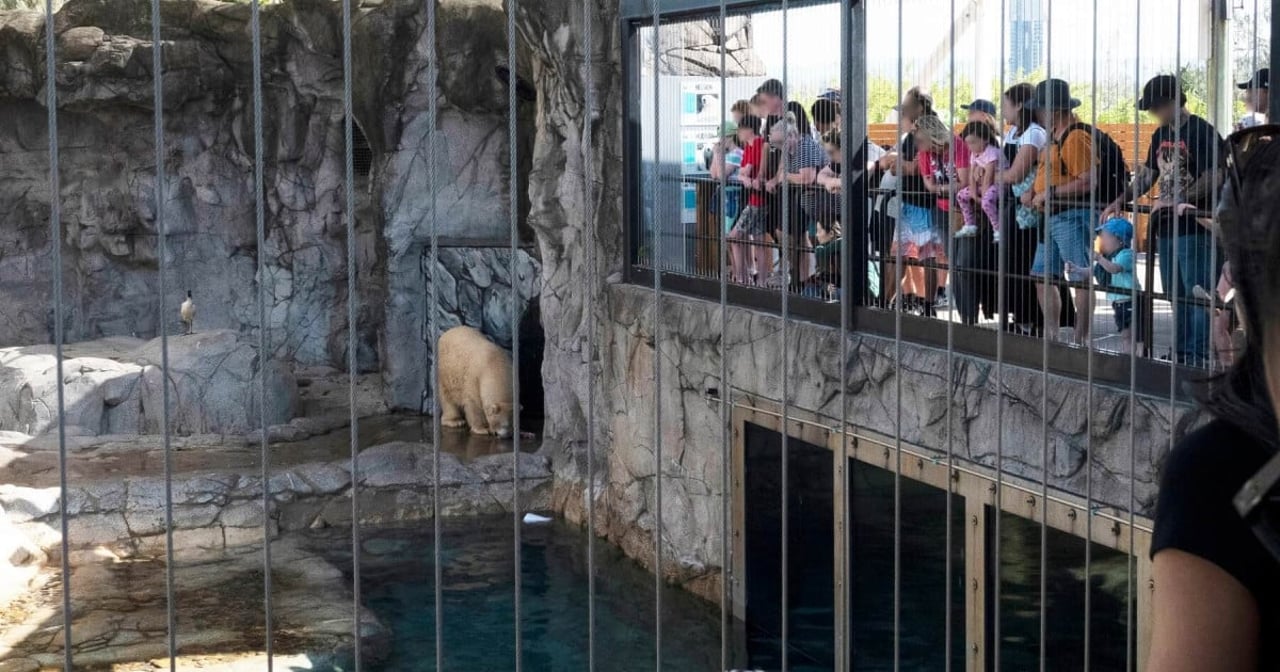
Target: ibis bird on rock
188, 312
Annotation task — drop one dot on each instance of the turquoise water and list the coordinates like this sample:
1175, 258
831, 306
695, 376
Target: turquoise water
479, 609
478, 590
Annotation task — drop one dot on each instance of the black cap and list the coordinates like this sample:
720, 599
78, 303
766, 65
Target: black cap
981, 105
1262, 80
1159, 90
1053, 94
773, 88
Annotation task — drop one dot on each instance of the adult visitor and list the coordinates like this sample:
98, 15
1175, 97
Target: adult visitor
771, 97
1024, 142
1183, 160
1063, 191
1257, 99
802, 159
826, 115
1216, 601
914, 239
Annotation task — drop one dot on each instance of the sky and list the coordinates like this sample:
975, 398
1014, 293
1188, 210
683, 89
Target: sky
1122, 53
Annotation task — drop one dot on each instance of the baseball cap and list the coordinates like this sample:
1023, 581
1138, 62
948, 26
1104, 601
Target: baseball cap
728, 128
981, 105
1159, 90
832, 95
1118, 227
1261, 80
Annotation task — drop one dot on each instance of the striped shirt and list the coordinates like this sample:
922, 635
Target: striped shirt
807, 154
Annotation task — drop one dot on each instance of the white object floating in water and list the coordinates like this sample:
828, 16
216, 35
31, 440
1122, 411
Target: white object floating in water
535, 519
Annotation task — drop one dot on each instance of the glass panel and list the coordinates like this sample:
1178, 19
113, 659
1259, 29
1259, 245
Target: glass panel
920, 531
810, 572
1021, 572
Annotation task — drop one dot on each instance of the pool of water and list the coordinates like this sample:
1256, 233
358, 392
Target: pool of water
397, 574
479, 587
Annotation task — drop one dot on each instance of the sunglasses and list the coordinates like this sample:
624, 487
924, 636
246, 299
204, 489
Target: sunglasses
1258, 500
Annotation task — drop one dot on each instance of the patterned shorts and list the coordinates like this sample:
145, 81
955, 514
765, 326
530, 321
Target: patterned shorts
752, 220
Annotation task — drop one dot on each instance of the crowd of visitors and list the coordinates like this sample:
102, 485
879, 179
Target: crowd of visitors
1025, 179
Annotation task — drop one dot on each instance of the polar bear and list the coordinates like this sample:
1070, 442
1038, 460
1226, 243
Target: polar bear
475, 383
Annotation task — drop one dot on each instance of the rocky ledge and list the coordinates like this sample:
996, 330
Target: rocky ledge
113, 386
116, 504
116, 536
121, 621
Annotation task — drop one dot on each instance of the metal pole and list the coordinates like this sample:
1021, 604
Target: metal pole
787, 269
349, 214
1275, 55
726, 395
513, 205
433, 328
657, 332
593, 273
162, 251
263, 353
55, 238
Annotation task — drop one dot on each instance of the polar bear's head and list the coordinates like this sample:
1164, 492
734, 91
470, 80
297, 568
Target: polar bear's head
498, 417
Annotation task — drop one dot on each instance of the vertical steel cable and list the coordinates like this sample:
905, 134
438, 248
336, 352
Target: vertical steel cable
348, 121
1132, 590
1088, 423
1176, 276
1044, 372
589, 210
55, 240
157, 76
657, 331
851, 24
951, 295
1002, 300
433, 322
513, 206
726, 390
1254, 70
1222, 56
260, 220
787, 246
897, 382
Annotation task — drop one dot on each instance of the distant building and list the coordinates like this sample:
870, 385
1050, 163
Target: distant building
1026, 33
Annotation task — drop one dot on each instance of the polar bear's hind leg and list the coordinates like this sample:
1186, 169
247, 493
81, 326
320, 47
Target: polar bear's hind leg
451, 414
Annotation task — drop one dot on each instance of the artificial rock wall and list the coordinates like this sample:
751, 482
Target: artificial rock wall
109, 227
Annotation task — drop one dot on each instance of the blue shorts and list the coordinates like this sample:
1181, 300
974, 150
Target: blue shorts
1068, 237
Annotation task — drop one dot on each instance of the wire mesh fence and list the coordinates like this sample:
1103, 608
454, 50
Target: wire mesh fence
911, 292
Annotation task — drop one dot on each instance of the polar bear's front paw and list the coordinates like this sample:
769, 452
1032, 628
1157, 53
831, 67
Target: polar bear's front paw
453, 424
480, 431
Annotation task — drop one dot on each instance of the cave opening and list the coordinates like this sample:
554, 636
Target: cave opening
361, 152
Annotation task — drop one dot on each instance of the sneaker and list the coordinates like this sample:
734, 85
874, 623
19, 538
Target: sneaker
995, 236
776, 281
942, 301
967, 231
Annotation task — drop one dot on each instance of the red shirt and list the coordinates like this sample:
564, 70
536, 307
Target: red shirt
753, 155
936, 166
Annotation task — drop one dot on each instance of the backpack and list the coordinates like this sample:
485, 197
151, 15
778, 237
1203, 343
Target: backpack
1113, 171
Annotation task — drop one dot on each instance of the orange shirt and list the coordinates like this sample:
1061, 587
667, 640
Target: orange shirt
1075, 153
